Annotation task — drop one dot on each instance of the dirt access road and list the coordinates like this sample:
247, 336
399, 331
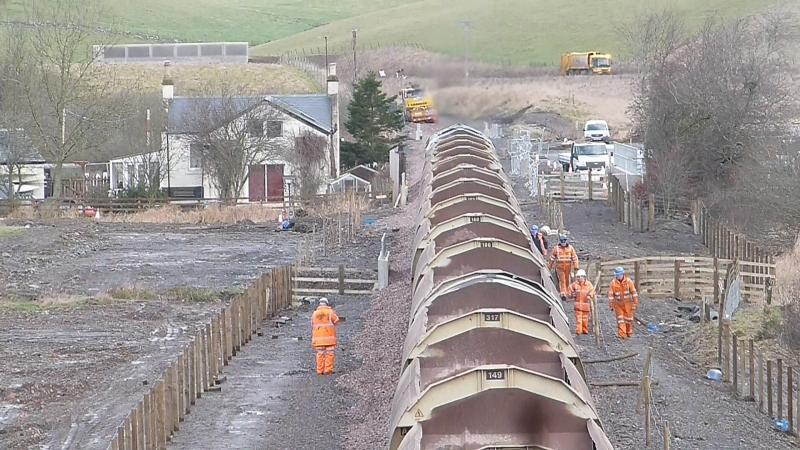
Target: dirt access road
701, 414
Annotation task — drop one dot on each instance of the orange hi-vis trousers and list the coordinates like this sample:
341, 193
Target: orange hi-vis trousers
624, 312
564, 272
325, 359
583, 294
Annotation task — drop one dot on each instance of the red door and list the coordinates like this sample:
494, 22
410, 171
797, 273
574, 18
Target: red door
256, 182
274, 182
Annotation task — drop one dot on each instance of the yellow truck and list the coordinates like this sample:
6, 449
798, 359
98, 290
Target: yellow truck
586, 63
417, 106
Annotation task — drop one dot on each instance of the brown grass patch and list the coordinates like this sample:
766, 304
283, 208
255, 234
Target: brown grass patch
193, 79
212, 215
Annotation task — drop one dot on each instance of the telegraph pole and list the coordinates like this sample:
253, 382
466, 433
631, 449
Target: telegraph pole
467, 26
355, 63
326, 54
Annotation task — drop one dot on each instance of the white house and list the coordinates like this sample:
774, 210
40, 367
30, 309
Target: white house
283, 117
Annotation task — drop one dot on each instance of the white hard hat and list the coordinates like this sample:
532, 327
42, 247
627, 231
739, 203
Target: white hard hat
323, 301
580, 273
545, 229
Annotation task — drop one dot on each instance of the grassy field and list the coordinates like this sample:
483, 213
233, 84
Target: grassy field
528, 32
254, 21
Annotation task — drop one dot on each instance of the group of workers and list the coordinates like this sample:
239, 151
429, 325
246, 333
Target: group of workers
622, 299
622, 296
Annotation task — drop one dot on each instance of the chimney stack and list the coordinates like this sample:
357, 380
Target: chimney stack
333, 81
167, 90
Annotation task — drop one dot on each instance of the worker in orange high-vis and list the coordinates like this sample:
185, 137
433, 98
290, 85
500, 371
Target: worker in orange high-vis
323, 336
623, 299
583, 293
565, 259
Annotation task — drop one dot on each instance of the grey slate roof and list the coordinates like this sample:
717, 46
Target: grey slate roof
315, 110
25, 153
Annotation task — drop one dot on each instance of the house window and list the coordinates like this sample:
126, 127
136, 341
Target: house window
255, 127
195, 155
274, 128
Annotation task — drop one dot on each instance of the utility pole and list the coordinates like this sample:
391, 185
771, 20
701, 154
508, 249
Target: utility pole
326, 54
63, 127
355, 63
467, 26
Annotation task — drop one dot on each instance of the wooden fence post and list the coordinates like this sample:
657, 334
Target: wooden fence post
137, 433
127, 433
726, 355
647, 419
790, 397
161, 430
735, 365
636, 271
769, 389
561, 184
591, 196
751, 352
761, 381
780, 388
677, 281
667, 436
651, 217
341, 279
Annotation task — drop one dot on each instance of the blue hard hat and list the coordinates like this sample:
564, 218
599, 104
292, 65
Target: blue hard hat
534, 229
562, 239
619, 271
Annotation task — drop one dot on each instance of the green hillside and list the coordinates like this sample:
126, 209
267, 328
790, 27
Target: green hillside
529, 32
254, 21
533, 32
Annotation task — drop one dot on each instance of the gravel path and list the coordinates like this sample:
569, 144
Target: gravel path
272, 397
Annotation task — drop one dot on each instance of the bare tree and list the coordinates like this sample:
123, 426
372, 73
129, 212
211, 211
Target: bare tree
714, 101
231, 134
308, 160
66, 104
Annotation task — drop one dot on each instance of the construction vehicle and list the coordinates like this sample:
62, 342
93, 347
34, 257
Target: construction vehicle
586, 63
417, 105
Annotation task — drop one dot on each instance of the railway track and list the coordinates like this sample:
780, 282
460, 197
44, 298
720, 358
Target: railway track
489, 361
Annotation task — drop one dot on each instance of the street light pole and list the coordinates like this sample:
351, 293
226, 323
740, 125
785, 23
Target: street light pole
355, 63
467, 26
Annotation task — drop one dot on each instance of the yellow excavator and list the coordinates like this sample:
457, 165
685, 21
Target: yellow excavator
417, 105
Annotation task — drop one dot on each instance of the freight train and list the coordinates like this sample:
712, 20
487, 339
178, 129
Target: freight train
488, 361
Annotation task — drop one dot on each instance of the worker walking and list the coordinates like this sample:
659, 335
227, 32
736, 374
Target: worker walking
538, 240
623, 299
323, 336
582, 292
565, 259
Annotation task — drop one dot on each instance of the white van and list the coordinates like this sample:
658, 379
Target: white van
596, 130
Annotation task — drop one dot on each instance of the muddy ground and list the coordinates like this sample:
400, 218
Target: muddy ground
90, 312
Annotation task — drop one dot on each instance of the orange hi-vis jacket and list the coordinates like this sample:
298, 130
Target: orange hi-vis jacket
564, 257
583, 293
622, 291
323, 327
